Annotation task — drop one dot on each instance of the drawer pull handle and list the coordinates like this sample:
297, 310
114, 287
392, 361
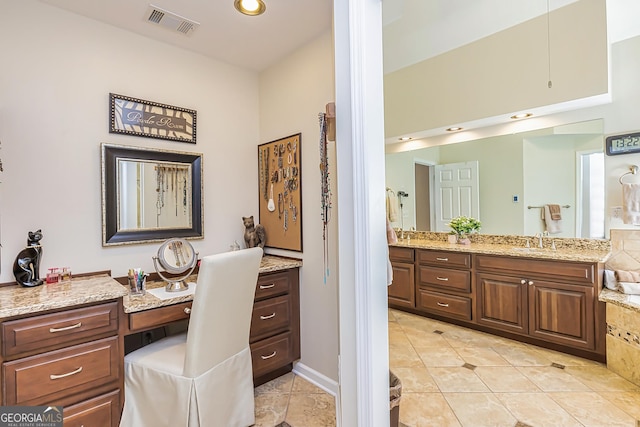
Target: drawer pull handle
442, 259
68, 374
523, 281
530, 282
271, 316
187, 310
444, 279
267, 286
441, 304
269, 356
66, 328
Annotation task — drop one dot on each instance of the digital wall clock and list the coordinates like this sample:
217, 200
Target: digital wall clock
623, 144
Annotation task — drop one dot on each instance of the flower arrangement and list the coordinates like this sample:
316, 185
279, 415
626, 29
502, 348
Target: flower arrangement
464, 225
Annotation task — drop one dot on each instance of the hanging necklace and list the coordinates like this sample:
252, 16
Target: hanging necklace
325, 191
160, 190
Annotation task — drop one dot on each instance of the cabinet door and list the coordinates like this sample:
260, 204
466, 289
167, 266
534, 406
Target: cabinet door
562, 313
402, 290
502, 302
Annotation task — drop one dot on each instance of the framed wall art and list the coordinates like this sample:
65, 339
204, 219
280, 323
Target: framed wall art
132, 116
280, 193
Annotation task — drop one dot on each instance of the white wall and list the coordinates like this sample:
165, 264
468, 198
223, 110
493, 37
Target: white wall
57, 71
292, 93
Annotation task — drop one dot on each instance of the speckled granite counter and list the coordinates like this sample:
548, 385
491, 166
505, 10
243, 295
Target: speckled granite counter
584, 250
632, 302
17, 300
269, 264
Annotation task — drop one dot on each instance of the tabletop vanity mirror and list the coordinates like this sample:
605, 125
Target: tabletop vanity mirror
150, 195
176, 257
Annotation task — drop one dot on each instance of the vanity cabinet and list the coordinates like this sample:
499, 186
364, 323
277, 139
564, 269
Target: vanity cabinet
402, 292
545, 302
443, 283
548, 300
275, 325
71, 358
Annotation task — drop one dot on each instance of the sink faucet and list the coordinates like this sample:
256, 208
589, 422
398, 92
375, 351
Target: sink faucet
539, 236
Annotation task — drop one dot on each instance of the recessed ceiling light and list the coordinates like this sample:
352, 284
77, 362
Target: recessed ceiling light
521, 116
250, 7
405, 138
454, 129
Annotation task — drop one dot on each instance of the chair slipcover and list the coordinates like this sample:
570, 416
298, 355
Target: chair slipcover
202, 377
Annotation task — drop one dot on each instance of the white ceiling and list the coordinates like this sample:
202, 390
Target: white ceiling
253, 42
257, 42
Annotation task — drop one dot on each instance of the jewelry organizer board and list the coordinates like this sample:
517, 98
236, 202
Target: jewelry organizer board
280, 193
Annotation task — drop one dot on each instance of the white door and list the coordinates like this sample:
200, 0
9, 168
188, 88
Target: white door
456, 191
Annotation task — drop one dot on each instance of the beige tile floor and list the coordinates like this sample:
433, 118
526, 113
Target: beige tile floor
454, 376
293, 400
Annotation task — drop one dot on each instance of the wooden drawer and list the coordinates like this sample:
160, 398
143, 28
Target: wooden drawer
573, 271
41, 379
149, 319
401, 254
272, 284
444, 304
101, 411
270, 317
54, 330
441, 258
271, 354
458, 280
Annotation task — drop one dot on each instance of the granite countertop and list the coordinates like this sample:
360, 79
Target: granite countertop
17, 300
506, 247
609, 296
149, 301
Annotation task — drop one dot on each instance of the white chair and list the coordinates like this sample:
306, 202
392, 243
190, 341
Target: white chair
202, 377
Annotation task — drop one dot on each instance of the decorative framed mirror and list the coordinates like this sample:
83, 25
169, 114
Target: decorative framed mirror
150, 195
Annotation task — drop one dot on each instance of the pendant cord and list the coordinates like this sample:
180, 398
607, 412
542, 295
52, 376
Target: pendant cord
549, 83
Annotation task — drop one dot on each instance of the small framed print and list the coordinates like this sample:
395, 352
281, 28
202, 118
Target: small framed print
132, 116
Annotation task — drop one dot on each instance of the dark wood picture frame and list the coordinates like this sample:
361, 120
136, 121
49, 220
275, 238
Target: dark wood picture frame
280, 192
132, 116
111, 234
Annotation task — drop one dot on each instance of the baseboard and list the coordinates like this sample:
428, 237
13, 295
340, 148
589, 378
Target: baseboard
316, 378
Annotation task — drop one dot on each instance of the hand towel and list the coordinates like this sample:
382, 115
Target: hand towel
629, 288
555, 212
391, 239
628, 276
553, 226
631, 204
392, 206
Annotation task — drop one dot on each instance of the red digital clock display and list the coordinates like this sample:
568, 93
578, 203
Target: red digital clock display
623, 144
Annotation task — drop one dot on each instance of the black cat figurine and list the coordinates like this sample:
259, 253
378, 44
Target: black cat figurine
26, 268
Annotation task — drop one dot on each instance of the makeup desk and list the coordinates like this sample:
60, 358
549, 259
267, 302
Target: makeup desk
63, 344
275, 322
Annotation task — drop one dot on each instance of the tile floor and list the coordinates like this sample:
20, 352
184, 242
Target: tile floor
295, 402
454, 376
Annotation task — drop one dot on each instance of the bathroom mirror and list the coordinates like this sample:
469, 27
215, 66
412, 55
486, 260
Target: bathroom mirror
517, 175
150, 195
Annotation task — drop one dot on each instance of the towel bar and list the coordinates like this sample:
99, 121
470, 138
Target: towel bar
542, 207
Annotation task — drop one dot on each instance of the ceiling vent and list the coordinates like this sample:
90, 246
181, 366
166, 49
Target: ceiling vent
170, 20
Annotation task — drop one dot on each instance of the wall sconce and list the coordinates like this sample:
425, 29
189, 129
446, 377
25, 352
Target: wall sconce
250, 7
